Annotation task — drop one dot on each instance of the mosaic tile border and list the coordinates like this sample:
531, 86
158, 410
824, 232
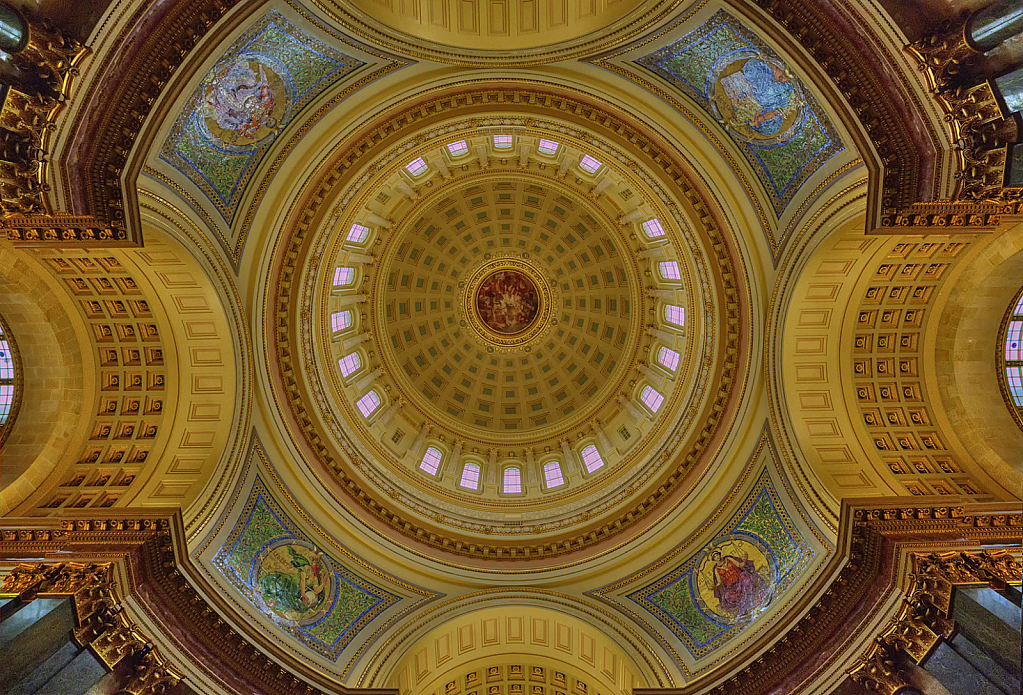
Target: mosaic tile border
311, 635
717, 632
201, 161
780, 192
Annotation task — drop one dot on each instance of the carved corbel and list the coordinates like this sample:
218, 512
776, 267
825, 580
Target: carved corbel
878, 670
102, 624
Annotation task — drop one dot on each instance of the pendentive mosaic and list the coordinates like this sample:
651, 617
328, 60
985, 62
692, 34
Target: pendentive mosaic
309, 593
244, 103
768, 112
732, 580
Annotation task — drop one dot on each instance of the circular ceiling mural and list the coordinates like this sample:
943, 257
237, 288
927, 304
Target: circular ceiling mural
507, 300
517, 330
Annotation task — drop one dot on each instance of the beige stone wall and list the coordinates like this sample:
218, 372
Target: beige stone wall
56, 376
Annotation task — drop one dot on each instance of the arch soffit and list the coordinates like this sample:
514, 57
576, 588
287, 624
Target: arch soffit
502, 625
58, 376
874, 305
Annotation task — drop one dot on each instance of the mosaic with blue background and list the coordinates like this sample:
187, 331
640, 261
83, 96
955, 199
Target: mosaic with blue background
244, 103
732, 580
309, 593
768, 112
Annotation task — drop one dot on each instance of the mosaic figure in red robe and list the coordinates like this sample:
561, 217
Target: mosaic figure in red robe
737, 584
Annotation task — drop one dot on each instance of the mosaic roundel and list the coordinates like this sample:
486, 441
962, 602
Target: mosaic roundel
245, 102
507, 302
735, 579
754, 96
293, 582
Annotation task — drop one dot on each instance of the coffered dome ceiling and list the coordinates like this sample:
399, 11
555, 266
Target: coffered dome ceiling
501, 284
522, 320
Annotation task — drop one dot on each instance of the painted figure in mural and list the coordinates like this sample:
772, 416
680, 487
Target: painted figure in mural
241, 101
295, 592
507, 301
737, 585
761, 95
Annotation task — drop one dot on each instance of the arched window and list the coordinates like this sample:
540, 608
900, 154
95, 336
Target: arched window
675, 315
668, 357
358, 233
349, 363
458, 148
416, 167
1013, 354
592, 459
431, 461
589, 164
343, 276
653, 229
547, 146
503, 142
368, 403
670, 271
512, 480
651, 398
340, 320
7, 376
552, 474
470, 476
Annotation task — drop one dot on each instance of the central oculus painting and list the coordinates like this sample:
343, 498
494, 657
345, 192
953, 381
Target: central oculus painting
507, 302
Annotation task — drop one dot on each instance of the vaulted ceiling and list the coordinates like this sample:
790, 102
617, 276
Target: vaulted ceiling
638, 257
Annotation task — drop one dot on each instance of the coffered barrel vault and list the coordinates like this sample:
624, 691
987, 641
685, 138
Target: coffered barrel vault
458, 347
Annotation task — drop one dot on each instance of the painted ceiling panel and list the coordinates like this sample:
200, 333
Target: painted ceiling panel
771, 116
243, 104
734, 578
310, 593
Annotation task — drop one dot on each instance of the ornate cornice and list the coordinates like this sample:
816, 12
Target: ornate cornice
49, 63
101, 624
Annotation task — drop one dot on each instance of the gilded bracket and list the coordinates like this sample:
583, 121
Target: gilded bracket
925, 616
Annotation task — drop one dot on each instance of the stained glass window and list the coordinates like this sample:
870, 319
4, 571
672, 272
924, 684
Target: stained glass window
670, 271
349, 363
431, 461
512, 480
6, 377
368, 403
470, 476
416, 167
591, 458
651, 398
675, 314
343, 276
340, 320
653, 229
547, 146
358, 233
668, 357
589, 164
552, 474
1013, 354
